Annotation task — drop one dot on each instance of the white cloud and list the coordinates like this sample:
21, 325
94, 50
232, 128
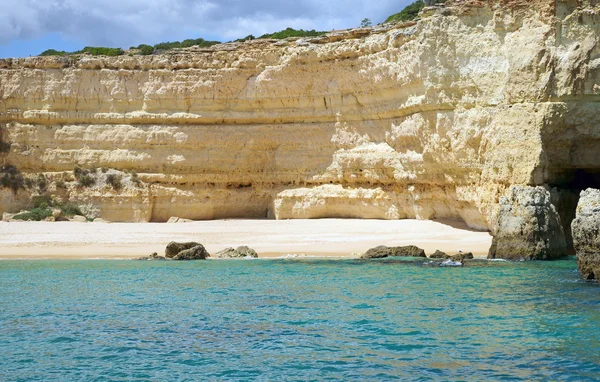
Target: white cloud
130, 22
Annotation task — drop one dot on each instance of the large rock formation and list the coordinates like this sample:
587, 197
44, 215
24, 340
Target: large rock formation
430, 119
529, 227
586, 234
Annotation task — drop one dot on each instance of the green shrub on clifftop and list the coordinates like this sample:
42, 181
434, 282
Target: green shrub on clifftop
185, 44
411, 12
101, 51
291, 32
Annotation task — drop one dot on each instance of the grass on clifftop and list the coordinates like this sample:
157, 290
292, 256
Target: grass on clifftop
411, 12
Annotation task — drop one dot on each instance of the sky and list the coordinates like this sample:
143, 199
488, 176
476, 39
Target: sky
28, 27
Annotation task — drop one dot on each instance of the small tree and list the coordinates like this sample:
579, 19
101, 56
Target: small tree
365, 23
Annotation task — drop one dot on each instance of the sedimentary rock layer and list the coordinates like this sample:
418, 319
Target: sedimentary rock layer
432, 119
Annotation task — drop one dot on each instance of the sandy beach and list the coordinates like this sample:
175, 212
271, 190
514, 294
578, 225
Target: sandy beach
270, 238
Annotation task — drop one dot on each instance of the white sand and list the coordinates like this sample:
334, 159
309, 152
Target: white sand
270, 238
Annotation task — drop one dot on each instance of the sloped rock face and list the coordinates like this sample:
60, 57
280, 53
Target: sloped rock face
529, 227
428, 120
586, 234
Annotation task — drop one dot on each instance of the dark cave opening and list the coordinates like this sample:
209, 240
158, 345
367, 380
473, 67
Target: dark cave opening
566, 186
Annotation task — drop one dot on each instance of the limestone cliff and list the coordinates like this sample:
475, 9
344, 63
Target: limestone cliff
433, 119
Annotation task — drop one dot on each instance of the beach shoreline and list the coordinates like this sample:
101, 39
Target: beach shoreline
318, 238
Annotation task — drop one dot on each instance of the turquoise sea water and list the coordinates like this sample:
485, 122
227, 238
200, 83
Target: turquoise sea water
296, 320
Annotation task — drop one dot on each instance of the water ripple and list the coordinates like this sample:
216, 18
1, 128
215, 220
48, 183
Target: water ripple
296, 320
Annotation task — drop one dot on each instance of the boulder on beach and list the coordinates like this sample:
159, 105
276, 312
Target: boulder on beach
79, 219
239, 252
439, 255
383, 251
195, 253
173, 248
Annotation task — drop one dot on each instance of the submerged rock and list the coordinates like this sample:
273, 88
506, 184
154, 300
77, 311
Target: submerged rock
383, 251
152, 257
528, 227
239, 252
439, 255
586, 234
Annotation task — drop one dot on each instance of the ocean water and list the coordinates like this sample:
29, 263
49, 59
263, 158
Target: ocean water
276, 320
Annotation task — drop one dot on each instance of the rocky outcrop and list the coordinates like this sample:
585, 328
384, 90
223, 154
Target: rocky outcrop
186, 251
383, 251
430, 119
439, 255
462, 256
239, 252
586, 234
528, 227
195, 253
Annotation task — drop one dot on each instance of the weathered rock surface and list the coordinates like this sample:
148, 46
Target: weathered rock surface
195, 253
174, 248
239, 252
383, 251
462, 256
528, 228
430, 119
586, 234
439, 255
78, 219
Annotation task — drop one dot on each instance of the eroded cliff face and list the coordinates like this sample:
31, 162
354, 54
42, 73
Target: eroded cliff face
428, 120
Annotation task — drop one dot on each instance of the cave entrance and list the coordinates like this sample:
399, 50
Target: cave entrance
567, 185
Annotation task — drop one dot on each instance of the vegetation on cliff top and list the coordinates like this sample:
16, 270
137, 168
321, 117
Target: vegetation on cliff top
93, 50
291, 32
411, 12
142, 49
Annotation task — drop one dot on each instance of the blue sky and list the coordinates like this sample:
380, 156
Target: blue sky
28, 27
